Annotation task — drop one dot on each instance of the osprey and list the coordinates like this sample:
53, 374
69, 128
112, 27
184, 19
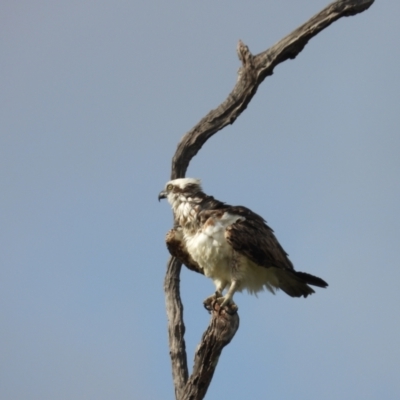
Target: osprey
232, 245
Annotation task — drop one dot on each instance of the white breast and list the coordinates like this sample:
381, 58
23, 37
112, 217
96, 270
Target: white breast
209, 248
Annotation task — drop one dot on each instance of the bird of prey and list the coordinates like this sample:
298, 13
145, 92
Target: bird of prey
232, 245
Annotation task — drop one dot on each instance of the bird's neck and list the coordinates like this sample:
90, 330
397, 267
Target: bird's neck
186, 210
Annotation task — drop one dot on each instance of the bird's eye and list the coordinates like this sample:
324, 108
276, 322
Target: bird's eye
170, 186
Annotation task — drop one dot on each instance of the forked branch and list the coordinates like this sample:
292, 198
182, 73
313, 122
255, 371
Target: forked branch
254, 69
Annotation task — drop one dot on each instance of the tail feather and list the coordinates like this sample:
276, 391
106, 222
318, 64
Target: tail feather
295, 284
311, 279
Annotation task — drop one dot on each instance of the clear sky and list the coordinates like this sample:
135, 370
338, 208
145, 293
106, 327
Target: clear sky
95, 96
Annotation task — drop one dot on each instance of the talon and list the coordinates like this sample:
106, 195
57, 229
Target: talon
210, 298
224, 302
228, 304
209, 302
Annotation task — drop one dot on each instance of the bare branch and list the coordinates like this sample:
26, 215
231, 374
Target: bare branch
253, 71
176, 327
291, 45
219, 333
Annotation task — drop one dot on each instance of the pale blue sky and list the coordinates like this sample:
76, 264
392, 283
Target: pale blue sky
95, 96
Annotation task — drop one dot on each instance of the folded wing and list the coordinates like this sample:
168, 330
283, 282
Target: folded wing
253, 238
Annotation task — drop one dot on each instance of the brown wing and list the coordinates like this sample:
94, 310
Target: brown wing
256, 240
177, 248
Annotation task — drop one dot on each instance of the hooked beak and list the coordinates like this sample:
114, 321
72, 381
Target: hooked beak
162, 195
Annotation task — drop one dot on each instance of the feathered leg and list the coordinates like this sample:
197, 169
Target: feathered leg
227, 300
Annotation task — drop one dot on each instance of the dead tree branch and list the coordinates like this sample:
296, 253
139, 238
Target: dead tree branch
254, 69
219, 333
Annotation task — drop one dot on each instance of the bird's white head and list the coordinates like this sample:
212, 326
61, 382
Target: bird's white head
178, 187
179, 191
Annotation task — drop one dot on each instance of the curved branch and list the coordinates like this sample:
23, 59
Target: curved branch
253, 71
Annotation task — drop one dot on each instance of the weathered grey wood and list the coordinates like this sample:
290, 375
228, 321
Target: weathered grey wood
219, 333
253, 71
176, 326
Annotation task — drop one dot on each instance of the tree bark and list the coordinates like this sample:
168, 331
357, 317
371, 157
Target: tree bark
219, 333
176, 326
254, 69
